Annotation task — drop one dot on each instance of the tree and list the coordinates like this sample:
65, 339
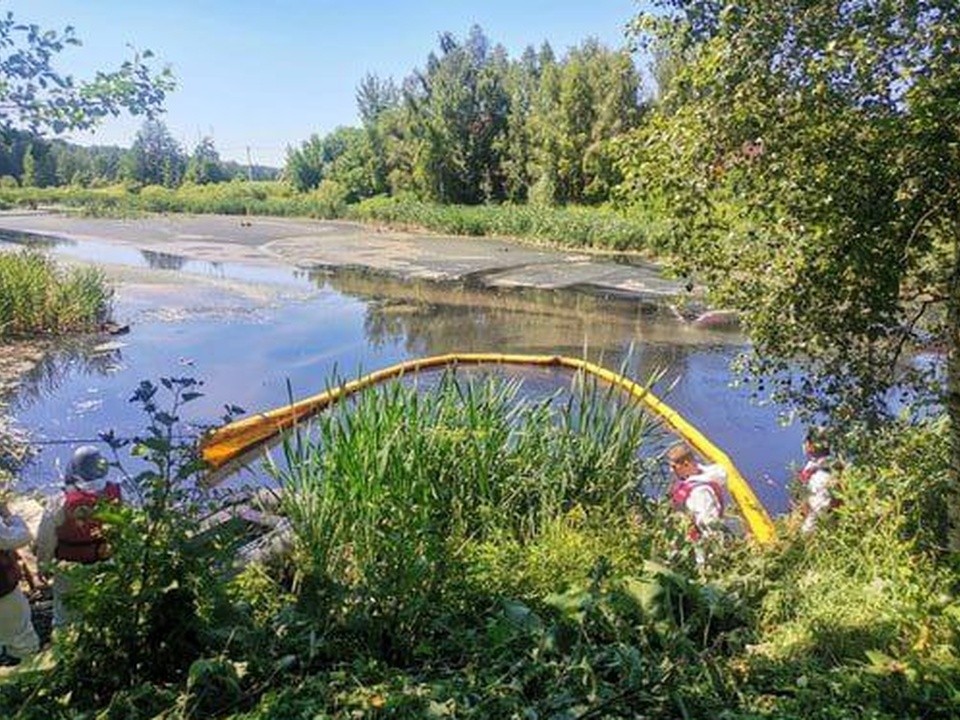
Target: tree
810, 154
37, 97
458, 107
583, 102
155, 158
374, 96
204, 165
39, 166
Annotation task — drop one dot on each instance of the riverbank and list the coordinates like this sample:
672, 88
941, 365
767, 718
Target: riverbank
312, 244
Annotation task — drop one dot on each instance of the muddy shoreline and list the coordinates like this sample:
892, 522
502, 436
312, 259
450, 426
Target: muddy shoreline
312, 245
319, 246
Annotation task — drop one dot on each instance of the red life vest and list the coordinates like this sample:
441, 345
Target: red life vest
10, 572
813, 466
80, 537
681, 491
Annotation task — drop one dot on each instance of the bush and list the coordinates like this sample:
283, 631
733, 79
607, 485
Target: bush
163, 588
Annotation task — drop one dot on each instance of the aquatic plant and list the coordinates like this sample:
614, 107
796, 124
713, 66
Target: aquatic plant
39, 298
600, 228
392, 496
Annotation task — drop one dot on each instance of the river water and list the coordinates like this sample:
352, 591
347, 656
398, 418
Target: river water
253, 334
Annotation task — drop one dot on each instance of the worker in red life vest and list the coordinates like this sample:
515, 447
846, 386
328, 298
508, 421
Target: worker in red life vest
18, 639
817, 479
69, 530
699, 491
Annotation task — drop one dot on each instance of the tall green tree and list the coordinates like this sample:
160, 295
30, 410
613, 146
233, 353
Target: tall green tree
458, 107
39, 165
155, 158
810, 154
581, 104
204, 165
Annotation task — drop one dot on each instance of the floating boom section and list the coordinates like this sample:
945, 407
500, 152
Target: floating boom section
231, 441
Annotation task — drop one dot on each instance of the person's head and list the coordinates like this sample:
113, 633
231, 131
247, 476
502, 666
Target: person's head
681, 460
816, 443
87, 464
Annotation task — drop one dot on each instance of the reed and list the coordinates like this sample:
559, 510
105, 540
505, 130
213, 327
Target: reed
601, 228
390, 497
39, 298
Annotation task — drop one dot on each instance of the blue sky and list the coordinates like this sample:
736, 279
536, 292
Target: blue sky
266, 74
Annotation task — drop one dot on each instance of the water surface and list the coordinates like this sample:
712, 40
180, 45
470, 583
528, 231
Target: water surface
302, 329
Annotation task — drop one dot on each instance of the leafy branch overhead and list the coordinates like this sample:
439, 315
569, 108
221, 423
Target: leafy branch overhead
807, 153
36, 96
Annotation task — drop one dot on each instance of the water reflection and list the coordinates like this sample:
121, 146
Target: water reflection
431, 318
163, 261
90, 356
31, 240
354, 321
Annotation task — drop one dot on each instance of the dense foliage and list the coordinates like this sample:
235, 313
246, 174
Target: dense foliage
459, 552
807, 156
39, 298
475, 126
37, 97
600, 228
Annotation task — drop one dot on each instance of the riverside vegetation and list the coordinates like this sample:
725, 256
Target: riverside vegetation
799, 159
461, 552
586, 227
39, 298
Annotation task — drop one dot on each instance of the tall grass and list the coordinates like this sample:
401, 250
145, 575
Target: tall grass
391, 498
583, 227
37, 297
587, 227
231, 198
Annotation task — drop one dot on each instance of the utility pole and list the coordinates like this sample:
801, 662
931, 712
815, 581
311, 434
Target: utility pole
249, 166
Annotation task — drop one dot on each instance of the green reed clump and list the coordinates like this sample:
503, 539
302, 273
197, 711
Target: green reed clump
391, 497
600, 228
38, 297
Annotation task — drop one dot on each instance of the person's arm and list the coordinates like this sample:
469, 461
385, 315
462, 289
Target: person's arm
47, 531
714, 473
14, 532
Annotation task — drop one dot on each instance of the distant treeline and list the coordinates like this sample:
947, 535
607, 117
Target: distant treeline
472, 126
155, 158
475, 126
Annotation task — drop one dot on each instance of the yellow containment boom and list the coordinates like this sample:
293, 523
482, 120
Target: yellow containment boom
230, 441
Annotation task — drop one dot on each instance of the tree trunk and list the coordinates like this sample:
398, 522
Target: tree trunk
953, 396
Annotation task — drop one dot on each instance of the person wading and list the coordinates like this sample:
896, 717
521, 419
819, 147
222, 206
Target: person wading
69, 530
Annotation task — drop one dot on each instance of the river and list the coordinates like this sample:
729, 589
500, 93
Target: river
252, 332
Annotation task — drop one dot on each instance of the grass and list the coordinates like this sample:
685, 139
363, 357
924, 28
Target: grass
460, 552
39, 298
394, 499
582, 227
